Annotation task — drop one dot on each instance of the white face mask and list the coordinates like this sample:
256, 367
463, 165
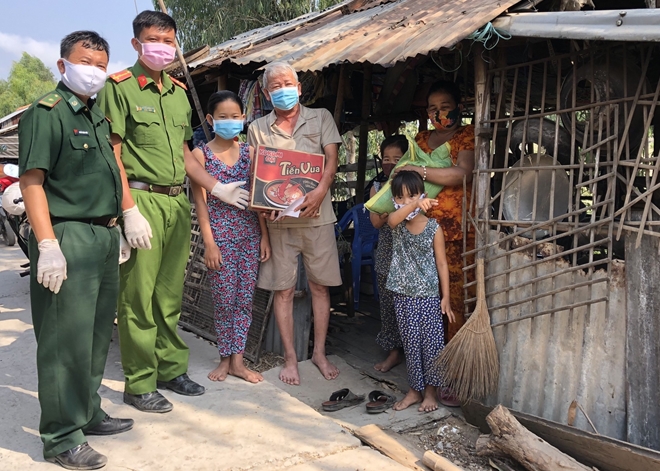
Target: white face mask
85, 80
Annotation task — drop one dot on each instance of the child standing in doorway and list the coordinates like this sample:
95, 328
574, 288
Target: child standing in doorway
235, 240
391, 151
418, 262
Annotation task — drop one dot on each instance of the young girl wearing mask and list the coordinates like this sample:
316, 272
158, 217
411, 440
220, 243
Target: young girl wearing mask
391, 151
419, 267
235, 240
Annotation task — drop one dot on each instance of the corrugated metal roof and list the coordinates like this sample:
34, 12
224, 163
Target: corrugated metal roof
378, 33
12, 115
610, 25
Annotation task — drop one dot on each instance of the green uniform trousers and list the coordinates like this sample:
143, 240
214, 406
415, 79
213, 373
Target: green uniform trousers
73, 330
150, 295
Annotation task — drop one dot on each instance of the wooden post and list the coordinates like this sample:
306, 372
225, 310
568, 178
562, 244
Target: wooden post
222, 82
642, 345
482, 140
364, 133
501, 149
189, 79
339, 104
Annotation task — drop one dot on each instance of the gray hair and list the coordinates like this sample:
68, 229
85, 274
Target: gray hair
276, 69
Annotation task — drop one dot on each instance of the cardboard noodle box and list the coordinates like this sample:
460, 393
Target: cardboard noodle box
281, 176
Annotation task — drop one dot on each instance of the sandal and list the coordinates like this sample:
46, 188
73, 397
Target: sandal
379, 401
340, 399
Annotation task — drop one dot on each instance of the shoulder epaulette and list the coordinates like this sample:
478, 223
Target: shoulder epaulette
176, 82
50, 100
121, 76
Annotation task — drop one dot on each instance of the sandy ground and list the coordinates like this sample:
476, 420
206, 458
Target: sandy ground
234, 426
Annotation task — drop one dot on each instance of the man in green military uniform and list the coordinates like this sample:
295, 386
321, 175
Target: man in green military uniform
73, 193
149, 116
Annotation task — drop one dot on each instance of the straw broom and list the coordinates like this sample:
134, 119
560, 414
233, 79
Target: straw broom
469, 362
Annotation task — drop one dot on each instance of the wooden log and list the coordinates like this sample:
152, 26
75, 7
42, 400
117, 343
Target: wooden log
373, 436
511, 438
604, 453
438, 463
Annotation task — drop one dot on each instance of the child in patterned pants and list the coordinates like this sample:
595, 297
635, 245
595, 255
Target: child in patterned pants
418, 262
391, 151
235, 240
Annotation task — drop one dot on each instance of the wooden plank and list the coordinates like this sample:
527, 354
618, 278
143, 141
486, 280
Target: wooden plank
373, 436
642, 346
607, 454
439, 463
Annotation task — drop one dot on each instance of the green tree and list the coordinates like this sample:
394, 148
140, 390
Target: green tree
28, 79
212, 22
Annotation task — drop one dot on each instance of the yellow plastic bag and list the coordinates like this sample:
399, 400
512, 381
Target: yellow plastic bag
381, 202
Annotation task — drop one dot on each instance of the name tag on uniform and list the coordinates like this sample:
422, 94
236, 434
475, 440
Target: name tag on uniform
78, 132
146, 109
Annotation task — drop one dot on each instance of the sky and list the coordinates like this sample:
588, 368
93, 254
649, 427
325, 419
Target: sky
38, 26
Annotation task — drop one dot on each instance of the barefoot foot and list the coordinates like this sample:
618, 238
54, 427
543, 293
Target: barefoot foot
430, 402
411, 397
237, 368
393, 359
289, 373
327, 369
220, 373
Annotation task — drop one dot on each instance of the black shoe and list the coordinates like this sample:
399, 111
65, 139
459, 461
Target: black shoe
182, 385
111, 426
150, 402
80, 457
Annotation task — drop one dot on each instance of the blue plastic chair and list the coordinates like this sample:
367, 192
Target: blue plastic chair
363, 247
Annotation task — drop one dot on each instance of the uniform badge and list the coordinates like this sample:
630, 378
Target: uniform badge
142, 80
78, 132
146, 109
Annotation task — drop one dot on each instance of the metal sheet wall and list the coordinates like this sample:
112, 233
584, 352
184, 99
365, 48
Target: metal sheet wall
549, 361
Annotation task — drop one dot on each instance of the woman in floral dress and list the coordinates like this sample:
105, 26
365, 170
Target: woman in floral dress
235, 240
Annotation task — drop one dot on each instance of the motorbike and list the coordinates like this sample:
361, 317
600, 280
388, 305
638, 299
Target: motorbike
15, 227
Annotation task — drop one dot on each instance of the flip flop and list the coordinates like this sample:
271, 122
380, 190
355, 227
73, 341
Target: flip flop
340, 399
379, 401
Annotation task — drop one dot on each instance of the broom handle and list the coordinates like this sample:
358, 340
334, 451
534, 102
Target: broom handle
481, 284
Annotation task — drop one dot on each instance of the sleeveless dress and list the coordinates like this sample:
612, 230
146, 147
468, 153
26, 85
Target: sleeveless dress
238, 235
413, 278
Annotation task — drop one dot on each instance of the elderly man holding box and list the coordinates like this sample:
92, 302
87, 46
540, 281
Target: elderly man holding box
293, 126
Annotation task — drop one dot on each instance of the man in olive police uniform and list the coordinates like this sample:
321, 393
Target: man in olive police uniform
149, 116
73, 193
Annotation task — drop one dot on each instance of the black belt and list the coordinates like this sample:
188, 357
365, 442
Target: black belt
175, 190
105, 221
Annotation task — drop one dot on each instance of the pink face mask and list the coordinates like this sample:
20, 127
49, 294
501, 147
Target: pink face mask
157, 56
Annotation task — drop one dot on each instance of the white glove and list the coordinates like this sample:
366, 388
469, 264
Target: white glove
51, 267
137, 229
231, 193
124, 249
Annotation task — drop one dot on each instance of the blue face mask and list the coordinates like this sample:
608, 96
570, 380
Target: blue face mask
284, 98
228, 128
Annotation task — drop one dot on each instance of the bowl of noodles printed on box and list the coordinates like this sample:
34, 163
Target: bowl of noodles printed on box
281, 193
